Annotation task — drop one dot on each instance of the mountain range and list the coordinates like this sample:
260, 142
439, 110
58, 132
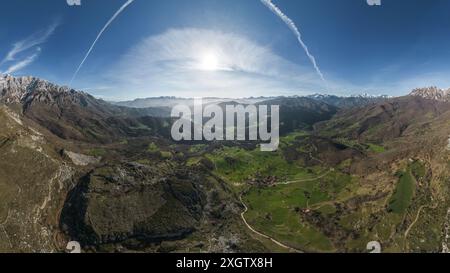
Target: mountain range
349, 170
342, 102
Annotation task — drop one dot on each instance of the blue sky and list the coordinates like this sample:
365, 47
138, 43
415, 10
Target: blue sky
229, 48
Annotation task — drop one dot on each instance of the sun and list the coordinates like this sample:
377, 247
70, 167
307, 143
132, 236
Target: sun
209, 62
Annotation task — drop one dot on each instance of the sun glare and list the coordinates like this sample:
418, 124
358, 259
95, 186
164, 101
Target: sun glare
209, 62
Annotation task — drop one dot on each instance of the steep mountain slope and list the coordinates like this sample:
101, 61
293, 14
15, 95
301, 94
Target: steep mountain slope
385, 121
432, 93
33, 184
75, 115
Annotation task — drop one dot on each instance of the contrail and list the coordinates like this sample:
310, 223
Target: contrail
122, 8
294, 29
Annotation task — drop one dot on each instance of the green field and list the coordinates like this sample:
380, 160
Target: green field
404, 193
238, 165
376, 148
288, 207
97, 152
276, 211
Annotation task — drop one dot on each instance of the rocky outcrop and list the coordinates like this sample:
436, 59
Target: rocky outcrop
133, 202
432, 93
82, 160
24, 89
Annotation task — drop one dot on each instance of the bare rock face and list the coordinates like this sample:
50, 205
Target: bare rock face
22, 89
13, 90
82, 160
432, 93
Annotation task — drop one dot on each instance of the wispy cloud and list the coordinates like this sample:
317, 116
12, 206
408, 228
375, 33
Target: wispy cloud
33, 40
171, 63
269, 4
23, 63
31, 43
118, 12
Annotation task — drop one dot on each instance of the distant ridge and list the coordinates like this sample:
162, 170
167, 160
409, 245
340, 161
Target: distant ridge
432, 93
340, 102
172, 101
349, 101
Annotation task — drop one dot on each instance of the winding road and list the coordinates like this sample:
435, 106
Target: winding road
267, 236
305, 180
261, 234
415, 220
